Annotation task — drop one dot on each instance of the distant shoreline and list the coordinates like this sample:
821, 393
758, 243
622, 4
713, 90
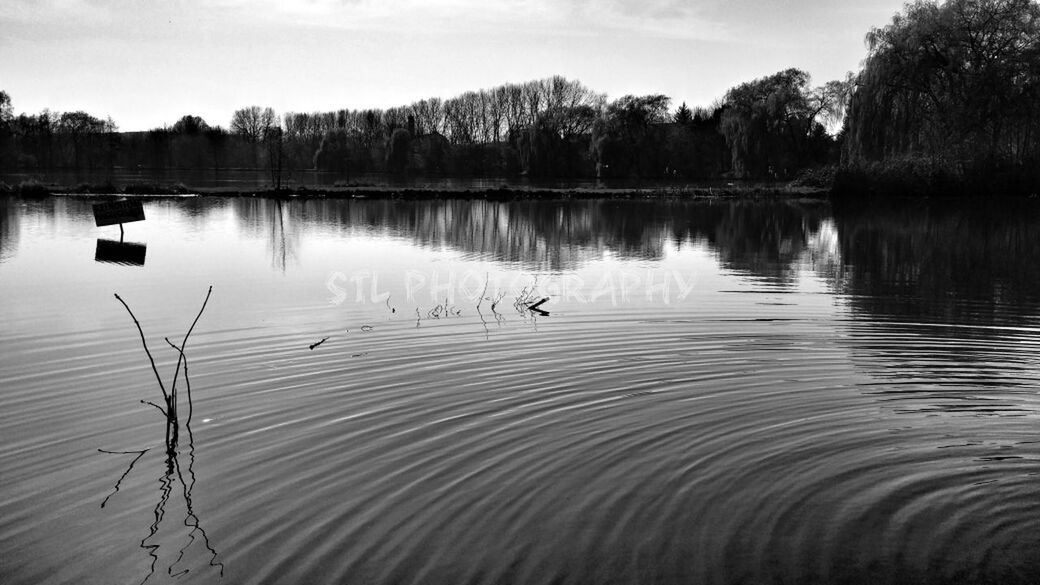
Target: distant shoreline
505, 193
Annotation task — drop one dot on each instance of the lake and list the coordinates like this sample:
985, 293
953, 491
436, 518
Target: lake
715, 392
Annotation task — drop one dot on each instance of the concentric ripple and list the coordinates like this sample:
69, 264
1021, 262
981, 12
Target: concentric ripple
773, 426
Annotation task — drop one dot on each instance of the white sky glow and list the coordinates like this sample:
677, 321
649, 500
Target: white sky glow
147, 63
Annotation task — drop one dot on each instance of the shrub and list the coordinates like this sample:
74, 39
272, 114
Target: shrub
32, 188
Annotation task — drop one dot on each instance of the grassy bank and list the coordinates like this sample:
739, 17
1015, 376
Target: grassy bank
779, 190
936, 178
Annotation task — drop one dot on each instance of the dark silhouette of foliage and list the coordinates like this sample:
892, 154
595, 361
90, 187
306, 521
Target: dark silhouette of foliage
959, 81
771, 125
217, 139
338, 152
253, 123
190, 125
623, 143
683, 115
553, 127
89, 142
955, 84
430, 151
695, 149
398, 151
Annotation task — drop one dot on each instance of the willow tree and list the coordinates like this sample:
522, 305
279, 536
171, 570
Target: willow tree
771, 126
958, 82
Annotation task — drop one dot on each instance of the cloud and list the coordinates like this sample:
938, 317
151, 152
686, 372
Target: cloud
63, 19
671, 18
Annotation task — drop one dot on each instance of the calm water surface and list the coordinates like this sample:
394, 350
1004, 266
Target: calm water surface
728, 392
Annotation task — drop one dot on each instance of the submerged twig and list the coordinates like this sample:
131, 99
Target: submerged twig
525, 297
441, 310
495, 302
538, 304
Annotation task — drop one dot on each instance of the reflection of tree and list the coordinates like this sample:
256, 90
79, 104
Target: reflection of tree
940, 294
764, 238
940, 263
10, 216
275, 221
197, 209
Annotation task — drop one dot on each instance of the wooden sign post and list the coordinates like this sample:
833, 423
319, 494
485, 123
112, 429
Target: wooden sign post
120, 212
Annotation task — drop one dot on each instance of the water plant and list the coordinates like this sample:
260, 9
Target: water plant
169, 397
173, 471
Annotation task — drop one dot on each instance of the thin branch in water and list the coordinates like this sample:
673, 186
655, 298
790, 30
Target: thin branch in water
483, 322
158, 378
187, 381
496, 301
185, 341
484, 292
161, 409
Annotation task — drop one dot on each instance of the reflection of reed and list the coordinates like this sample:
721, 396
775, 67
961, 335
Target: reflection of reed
173, 475
174, 472
130, 468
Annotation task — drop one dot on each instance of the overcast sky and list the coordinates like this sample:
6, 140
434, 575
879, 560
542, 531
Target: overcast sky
146, 63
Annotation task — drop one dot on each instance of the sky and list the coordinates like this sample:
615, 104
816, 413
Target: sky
146, 63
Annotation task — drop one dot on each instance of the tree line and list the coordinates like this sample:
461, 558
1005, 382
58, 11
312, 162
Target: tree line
554, 127
948, 90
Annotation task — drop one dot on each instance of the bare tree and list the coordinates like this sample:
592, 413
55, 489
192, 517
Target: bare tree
253, 123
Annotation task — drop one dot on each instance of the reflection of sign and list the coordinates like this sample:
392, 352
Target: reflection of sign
115, 212
120, 253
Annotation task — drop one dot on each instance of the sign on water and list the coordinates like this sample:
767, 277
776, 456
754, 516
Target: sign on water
120, 212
